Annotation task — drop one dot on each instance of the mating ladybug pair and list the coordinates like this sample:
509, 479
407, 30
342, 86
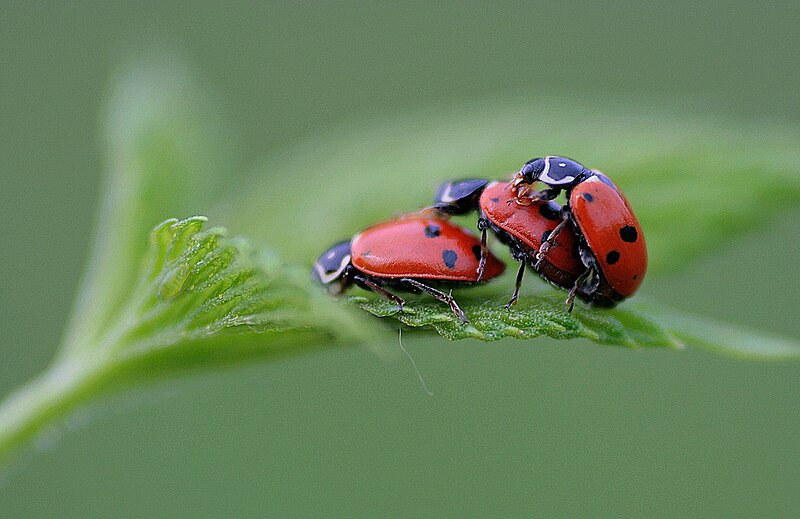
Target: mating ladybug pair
591, 246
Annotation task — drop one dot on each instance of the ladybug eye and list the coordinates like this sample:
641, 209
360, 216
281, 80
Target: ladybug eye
532, 169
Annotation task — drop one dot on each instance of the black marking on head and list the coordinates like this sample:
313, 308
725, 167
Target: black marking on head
476, 251
554, 171
612, 257
550, 210
561, 171
546, 234
496, 200
432, 231
629, 234
561, 168
588, 197
449, 257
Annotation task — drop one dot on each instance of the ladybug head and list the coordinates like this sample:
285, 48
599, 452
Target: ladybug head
553, 171
330, 267
459, 196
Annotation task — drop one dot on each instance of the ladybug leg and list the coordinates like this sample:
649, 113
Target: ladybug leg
344, 284
574, 290
381, 291
589, 281
551, 238
437, 294
525, 198
483, 225
548, 194
515, 295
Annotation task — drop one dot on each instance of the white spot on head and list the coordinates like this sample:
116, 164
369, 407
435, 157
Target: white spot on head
547, 179
446, 196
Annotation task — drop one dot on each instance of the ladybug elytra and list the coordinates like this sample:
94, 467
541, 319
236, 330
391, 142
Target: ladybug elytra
523, 228
410, 254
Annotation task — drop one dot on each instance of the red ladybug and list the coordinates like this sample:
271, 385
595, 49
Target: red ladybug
611, 244
404, 252
523, 228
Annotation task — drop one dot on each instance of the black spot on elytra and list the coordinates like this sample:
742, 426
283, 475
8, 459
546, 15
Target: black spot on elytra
588, 197
628, 234
545, 235
550, 210
496, 200
635, 276
476, 251
432, 231
612, 257
449, 257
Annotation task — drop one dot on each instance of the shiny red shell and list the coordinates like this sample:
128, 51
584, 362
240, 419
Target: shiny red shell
530, 224
611, 231
422, 248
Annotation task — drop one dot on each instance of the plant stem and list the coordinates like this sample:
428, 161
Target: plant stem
61, 388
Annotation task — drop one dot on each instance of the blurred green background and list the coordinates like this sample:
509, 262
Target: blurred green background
548, 428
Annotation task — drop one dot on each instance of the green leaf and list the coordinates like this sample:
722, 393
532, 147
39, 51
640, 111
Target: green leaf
197, 285
189, 299
725, 338
194, 298
632, 325
165, 150
531, 317
201, 300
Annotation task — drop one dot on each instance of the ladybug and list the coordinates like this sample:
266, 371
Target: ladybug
410, 253
523, 228
611, 242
